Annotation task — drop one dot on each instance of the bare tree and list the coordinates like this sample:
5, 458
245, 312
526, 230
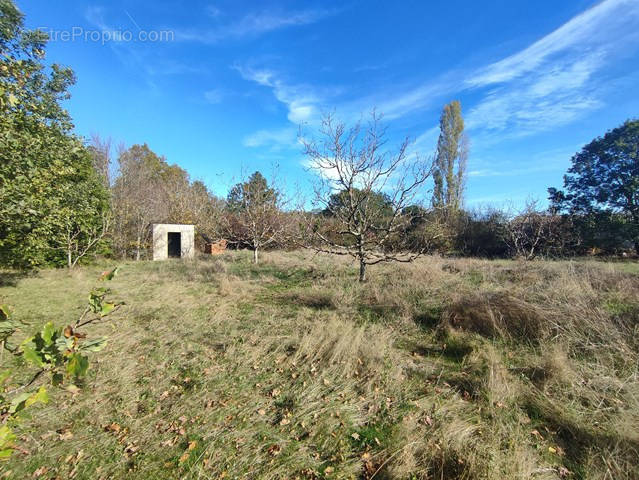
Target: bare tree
365, 190
255, 216
531, 232
138, 198
100, 149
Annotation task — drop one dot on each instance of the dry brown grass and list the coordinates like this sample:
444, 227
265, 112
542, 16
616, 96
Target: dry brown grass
442, 368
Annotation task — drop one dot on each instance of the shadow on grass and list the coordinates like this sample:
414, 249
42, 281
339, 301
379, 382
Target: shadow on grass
11, 279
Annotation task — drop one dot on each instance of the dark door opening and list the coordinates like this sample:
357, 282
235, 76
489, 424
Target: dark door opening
175, 244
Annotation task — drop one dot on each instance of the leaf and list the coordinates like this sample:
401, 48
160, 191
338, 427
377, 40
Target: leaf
77, 365
72, 389
107, 308
5, 453
6, 435
64, 344
274, 450
4, 313
40, 471
109, 274
8, 326
68, 331
27, 399
30, 354
94, 345
48, 331
19, 402
40, 396
113, 427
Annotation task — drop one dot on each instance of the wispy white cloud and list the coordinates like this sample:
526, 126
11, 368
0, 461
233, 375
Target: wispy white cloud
557, 79
549, 97
275, 139
252, 25
553, 160
599, 24
300, 100
554, 81
414, 99
95, 15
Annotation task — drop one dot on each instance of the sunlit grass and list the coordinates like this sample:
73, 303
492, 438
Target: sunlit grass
444, 368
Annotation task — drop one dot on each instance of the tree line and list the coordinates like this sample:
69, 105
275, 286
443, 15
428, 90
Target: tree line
65, 199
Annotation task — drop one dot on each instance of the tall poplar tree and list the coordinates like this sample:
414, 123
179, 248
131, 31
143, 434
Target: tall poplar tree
450, 162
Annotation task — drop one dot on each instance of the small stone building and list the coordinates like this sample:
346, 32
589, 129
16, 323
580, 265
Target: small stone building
173, 241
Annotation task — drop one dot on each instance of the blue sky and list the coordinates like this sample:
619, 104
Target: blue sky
227, 89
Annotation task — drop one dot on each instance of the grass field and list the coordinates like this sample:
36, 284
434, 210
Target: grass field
440, 369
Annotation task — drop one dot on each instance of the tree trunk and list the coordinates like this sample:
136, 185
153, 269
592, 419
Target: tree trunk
362, 270
69, 258
255, 255
137, 249
637, 247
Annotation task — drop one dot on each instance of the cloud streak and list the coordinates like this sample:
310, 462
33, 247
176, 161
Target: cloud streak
600, 24
253, 25
300, 100
553, 82
275, 139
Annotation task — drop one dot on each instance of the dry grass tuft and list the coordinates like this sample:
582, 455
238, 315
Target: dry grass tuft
444, 368
498, 315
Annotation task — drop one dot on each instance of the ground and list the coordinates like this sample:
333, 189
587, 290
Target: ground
217, 368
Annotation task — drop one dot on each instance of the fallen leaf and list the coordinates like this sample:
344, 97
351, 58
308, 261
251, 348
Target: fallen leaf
355, 435
113, 427
40, 471
72, 389
564, 472
552, 450
535, 433
274, 450
192, 445
184, 457
285, 421
261, 411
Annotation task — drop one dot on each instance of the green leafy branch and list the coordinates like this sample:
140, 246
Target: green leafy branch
59, 352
